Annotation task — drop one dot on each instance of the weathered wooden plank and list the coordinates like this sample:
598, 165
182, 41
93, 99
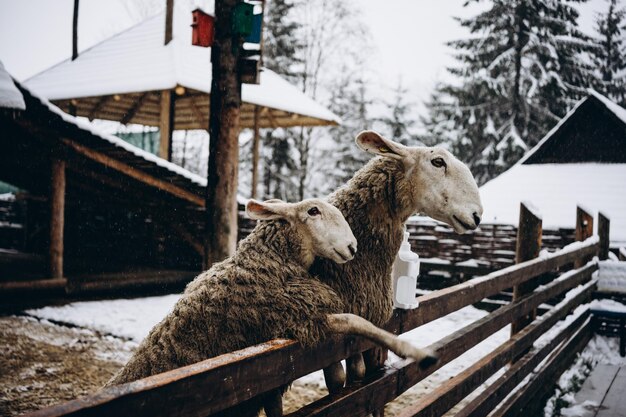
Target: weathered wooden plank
166, 124
454, 390
604, 227
499, 389
528, 247
597, 384
212, 385
614, 404
474, 290
556, 363
584, 230
57, 218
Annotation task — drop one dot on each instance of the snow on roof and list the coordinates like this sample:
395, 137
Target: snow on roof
120, 143
10, 96
136, 60
555, 190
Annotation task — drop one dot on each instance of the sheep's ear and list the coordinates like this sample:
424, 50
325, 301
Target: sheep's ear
372, 142
268, 210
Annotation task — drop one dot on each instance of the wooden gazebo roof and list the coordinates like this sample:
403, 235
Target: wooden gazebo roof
123, 79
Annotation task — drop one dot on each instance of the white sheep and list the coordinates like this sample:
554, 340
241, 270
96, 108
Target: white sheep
376, 202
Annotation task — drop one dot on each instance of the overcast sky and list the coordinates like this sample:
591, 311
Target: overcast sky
408, 35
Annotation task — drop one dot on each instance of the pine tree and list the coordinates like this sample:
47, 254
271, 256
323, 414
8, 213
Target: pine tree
351, 102
281, 55
520, 72
610, 55
399, 123
280, 45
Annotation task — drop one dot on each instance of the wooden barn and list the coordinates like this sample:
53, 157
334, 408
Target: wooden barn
93, 212
92, 203
581, 161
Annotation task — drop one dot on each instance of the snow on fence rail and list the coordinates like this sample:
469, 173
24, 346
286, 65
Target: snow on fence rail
220, 383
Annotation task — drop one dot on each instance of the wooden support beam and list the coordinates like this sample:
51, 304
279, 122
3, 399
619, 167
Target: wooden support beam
255, 152
134, 109
98, 106
604, 227
75, 31
584, 230
169, 18
224, 127
135, 173
57, 218
527, 248
166, 124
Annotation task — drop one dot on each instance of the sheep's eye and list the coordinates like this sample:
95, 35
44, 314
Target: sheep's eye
314, 211
438, 162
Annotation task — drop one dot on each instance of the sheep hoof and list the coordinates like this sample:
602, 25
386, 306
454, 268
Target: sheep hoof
428, 361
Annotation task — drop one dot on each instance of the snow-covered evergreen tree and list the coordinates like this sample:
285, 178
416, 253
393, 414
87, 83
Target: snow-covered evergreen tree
520, 71
398, 124
281, 54
349, 100
610, 55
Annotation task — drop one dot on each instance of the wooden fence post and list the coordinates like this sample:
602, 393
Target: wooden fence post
584, 230
528, 247
604, 225
57, 218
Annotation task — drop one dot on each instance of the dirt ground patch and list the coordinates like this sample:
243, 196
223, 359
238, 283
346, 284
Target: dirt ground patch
42, 364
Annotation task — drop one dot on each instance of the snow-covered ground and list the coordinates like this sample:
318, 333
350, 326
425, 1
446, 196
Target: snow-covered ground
129, 319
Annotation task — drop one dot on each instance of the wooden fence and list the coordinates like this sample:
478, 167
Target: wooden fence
217, 384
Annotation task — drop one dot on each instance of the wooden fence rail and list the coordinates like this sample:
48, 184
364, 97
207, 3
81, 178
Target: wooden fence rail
219, 383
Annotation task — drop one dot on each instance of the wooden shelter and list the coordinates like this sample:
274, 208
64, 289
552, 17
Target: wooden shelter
582, 160
94, 203
136, 77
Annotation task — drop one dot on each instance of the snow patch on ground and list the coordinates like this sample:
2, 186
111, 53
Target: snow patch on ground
600, 350
129, 319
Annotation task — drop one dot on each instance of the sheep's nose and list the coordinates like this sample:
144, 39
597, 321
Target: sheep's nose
352, 249
476, 218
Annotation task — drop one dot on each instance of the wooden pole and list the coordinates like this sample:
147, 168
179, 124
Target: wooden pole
166, 124
75, 31
604, 225
528, 247
169, 15
255, 153
57, 218
221, 191
584, 230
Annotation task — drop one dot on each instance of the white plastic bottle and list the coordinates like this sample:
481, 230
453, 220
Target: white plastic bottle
405, 270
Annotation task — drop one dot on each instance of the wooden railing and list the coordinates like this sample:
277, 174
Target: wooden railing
217, 384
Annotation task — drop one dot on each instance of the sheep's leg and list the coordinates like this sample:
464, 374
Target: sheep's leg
355, 368
273, 403
353, 324
334, 376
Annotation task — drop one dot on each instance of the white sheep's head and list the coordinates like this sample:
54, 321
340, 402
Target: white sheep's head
323, 230
438, 184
